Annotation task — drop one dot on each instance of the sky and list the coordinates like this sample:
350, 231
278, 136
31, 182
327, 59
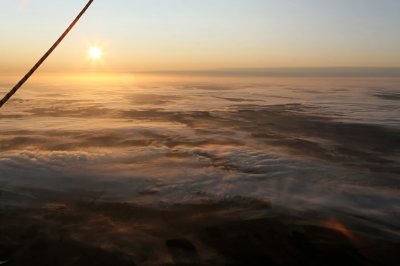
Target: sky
148, 35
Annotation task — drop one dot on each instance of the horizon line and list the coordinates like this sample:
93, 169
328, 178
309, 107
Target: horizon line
254, 71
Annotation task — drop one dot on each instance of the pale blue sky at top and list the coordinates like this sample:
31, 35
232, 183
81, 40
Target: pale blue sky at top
203, 34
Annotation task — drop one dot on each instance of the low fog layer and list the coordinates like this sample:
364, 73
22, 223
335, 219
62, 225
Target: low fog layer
298, 144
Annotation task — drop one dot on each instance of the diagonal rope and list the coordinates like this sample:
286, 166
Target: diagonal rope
44, 57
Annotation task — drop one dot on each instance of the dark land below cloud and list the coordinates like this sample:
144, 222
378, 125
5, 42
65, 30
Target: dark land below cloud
237, 231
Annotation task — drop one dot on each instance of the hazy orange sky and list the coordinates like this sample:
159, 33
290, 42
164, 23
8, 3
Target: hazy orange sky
147, 35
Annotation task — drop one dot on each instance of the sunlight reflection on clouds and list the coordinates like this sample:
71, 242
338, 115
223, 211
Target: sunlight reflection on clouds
287, 144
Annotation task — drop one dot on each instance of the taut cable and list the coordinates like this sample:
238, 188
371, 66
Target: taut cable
44, 57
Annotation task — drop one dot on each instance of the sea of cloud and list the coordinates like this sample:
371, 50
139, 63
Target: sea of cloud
301, 144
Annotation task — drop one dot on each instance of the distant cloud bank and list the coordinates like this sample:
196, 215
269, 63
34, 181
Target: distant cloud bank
294, 72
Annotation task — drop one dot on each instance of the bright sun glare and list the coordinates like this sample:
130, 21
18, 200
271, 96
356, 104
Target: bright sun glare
95, 52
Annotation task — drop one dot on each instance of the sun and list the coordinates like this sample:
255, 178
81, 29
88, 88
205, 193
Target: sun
95, 52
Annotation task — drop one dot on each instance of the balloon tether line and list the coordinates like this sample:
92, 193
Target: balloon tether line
44, 57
